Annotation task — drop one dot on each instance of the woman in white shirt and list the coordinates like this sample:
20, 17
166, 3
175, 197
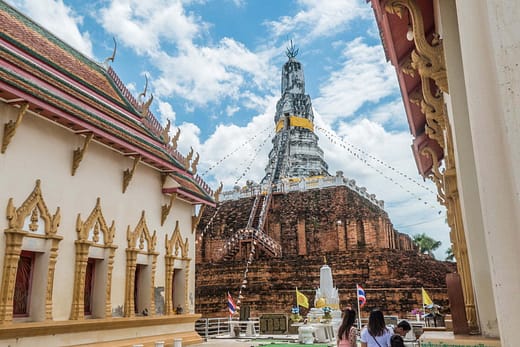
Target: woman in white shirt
376, 334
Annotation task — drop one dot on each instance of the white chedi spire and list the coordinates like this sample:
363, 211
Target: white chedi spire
326, 294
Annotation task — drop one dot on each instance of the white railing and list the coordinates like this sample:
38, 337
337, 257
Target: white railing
301, 184
212, 327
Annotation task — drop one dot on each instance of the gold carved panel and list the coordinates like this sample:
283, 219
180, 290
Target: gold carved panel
89, 232
35, 209
175, 249
139, 241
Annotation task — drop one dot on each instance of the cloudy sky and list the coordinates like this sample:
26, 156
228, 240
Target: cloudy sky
214, 69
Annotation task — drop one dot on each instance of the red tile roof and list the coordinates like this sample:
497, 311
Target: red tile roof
66, 87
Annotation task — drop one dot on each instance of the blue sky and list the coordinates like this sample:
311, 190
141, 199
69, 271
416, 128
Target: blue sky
214, 70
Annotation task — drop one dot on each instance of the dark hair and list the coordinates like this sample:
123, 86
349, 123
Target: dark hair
404, 325
376, 323
349, 316
396, 341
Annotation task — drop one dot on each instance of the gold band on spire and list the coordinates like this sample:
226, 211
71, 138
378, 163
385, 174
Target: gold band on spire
295, 121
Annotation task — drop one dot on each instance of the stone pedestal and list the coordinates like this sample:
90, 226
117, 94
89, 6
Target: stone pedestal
306, 334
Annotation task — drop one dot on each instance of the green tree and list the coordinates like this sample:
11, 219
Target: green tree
426, 244
449, 255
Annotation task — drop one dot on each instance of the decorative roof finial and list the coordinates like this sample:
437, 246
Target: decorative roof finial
143, 94
112, 57
291, 51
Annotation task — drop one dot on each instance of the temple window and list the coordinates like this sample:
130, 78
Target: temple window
177, 273
178, 289
31, 251
22, 288
89, 287
141, 260
93, 266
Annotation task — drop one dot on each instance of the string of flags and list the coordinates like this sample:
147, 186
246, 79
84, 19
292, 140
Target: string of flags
331, 137
253, 158
241, 146
349, 147
239, 178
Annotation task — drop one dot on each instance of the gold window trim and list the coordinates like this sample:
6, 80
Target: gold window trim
34, 206
173, 246
96, 222
136, 245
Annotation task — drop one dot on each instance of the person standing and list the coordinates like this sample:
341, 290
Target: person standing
402, 328
376, 333
347, 332
400, 332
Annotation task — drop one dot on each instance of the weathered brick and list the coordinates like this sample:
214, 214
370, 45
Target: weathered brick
356, 237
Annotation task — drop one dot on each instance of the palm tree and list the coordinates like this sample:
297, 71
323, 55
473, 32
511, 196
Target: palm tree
426, 244
449, 255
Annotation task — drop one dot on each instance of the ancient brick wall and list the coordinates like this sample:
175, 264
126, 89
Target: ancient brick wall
314, 221
392, 280
356, 236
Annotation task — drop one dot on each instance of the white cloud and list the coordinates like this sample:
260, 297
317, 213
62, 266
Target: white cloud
207, 74
47, 13
365, 77
231, 110
320, 18
166, 111
142, 25
165, 33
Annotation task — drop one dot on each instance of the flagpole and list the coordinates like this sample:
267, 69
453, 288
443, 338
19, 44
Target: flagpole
297, 305
358, 307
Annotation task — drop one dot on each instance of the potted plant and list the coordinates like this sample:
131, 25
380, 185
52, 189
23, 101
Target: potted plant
327, 317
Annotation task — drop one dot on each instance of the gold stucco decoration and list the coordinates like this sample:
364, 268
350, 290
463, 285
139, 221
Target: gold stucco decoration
166, 208
195, 220
77, 155
435, 67
174, 245
89, 235
11, 126
165, 133
128, 174
195, 163
35, 209
175, 139
428, 59
188, 159
217, 193
135, 245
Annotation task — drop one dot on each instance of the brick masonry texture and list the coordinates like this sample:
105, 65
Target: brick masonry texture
356, 237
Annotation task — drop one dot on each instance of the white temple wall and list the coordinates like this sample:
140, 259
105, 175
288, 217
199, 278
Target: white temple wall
458, 114
42, 150
489, 48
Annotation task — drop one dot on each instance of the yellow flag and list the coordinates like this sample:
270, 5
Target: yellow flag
426, 298
301, 300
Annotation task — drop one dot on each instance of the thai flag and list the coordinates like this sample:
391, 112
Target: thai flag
231, 305
361, 295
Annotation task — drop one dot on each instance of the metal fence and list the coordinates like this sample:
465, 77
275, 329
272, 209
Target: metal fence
211, 327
